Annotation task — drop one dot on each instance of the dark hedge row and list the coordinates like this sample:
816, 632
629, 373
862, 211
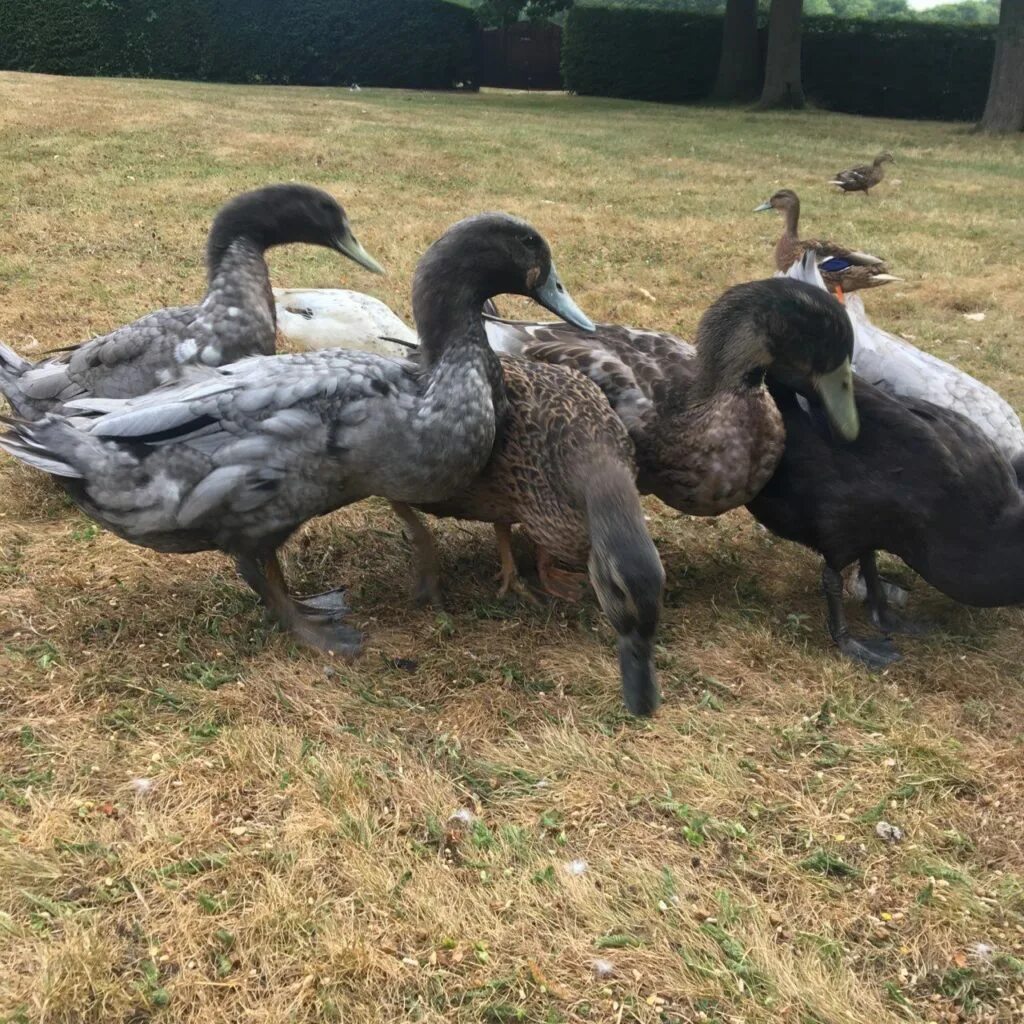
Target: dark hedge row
425, 44
877, 68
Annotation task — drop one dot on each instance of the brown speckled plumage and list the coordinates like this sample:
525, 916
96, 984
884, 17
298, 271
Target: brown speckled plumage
861, 269
559, 430
863, 177
707, 433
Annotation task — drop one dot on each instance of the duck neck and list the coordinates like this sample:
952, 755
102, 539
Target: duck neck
606, 488
453, 342
791, 215
237, 276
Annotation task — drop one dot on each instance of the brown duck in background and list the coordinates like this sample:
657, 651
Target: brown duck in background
563, 468
843, 270
863, 177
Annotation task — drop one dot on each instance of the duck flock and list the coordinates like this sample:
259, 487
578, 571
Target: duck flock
184, 431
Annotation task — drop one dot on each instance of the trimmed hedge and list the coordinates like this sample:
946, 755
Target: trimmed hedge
877, 68
640, 54
419, 44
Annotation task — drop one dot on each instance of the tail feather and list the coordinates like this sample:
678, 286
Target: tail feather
25, 442
12, 366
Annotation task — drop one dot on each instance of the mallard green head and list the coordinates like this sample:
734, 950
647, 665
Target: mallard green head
796, 332
627, 577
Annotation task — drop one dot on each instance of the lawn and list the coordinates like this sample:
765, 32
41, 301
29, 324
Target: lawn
200, 822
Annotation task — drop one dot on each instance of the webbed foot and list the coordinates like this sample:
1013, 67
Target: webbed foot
889, 621
332, 637
875, 654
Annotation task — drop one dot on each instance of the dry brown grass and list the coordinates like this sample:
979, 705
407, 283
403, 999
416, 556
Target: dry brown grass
292, 854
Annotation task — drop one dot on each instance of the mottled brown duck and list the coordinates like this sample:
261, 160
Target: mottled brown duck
707, 433
863, 177
563, 468
843, 270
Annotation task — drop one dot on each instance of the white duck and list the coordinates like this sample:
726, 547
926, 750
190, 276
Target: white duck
896, 366
318, 318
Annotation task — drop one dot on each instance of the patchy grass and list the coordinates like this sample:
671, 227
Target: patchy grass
201, 823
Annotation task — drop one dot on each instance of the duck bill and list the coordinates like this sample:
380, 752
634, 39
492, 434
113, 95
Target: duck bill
836, 392
639, 682
348, 245
763, 208
553, 296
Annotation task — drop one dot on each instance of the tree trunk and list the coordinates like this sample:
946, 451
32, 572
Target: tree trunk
782, 86
739, 72
1004, 111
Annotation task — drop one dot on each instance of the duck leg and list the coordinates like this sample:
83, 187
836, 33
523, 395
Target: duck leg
428, 586
511, 581
875, 654
560, 583
877, 602
315, 623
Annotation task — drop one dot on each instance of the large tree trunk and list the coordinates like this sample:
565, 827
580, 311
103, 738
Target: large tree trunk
782, 86
739, 71
1004, 111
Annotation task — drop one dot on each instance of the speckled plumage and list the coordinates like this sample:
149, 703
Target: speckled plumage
859, 270
863, 177
706, 431
234, 320
563, 468
559, 430
239, 457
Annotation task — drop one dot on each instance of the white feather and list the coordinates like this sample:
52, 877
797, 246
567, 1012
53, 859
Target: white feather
896, 366
337, 318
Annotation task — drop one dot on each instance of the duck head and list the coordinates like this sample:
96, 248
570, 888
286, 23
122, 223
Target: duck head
628, 579
884, 158
784, 200
286, 214
794, 332
487, 255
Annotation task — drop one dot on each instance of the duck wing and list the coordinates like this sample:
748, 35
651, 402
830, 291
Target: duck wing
634, 368
834, 258
854, 176
252, 449
896, 366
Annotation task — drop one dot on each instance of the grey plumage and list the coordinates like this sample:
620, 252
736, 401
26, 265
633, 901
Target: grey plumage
234, 320
236, 458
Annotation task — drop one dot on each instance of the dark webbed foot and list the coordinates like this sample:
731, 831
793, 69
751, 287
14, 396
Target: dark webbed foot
314, 621
332, 637
877, 653
877, 599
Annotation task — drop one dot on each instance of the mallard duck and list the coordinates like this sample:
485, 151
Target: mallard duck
920, 482
234, 320
844, 270
706, 431
863, 177
901, 369
238, 457
336, 318
563, 468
